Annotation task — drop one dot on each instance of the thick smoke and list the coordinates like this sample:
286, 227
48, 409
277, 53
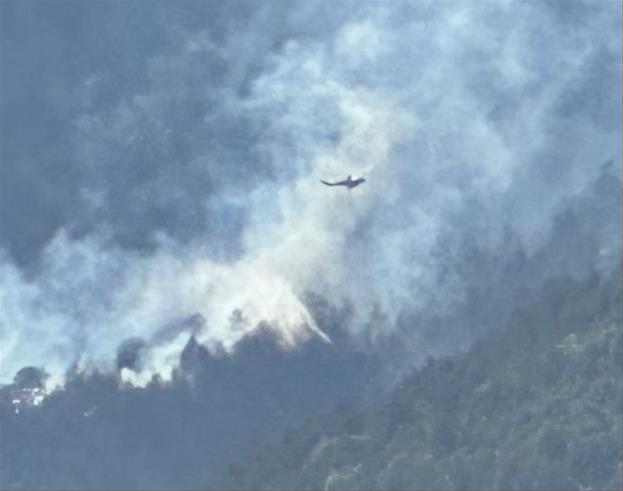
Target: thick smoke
199, 189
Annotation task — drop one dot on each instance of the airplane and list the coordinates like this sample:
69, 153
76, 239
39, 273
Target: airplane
350, 182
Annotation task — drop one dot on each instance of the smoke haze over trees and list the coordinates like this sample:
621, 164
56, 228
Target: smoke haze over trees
177, 289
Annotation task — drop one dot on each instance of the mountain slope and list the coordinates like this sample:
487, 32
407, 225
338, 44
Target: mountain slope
537, 405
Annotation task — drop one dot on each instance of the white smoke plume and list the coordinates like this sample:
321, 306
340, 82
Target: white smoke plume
439, 105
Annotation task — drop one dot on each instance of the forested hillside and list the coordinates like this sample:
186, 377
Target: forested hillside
537, 405
534, 404
98, 432
308, 244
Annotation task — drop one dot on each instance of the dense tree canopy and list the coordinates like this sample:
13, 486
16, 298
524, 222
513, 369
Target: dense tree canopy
537, 405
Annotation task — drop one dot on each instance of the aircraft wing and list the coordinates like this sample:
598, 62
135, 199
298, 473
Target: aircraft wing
339, 183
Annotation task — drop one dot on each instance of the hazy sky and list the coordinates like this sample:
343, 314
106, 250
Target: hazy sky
162, 159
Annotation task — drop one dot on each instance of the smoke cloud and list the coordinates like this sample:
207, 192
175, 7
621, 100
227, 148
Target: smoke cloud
198, 187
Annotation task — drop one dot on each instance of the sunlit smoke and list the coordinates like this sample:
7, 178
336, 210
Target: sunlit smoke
446, 110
